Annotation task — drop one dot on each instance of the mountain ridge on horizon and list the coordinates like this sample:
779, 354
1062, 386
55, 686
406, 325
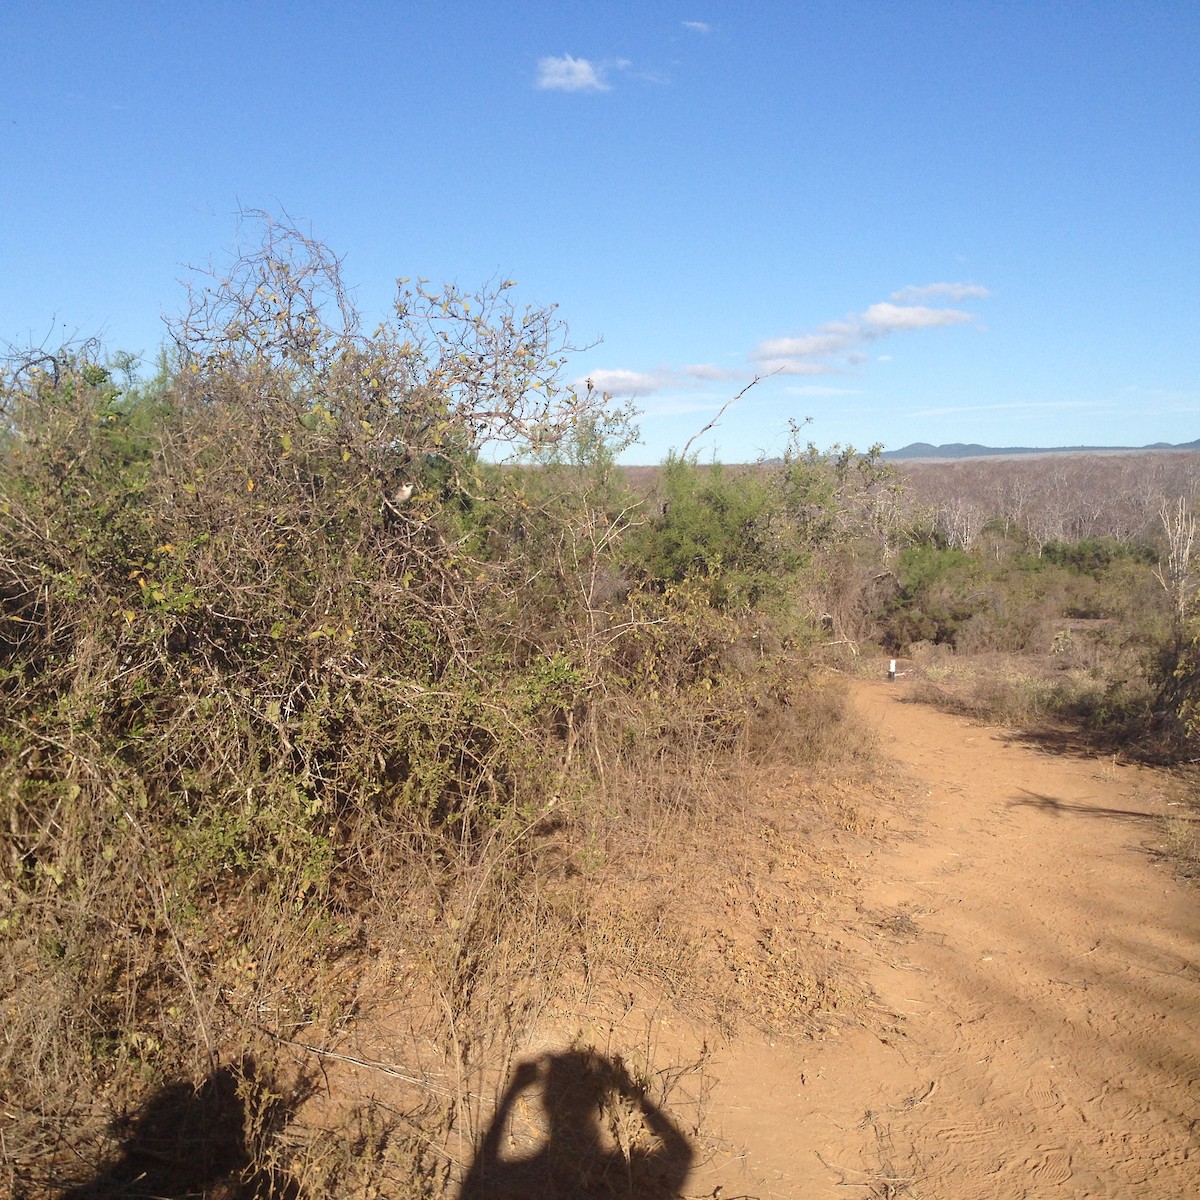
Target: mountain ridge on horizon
974, 450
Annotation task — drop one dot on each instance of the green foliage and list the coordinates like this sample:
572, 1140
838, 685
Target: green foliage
265, 582
1093, 556
939, 592
838, 494
712, 524
1181, 679
749, 533
1018, 603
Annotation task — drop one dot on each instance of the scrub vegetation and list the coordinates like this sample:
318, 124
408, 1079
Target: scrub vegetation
1059, 589
338, 664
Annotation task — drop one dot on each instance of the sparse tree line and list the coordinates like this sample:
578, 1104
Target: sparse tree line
321, 639
1061, 498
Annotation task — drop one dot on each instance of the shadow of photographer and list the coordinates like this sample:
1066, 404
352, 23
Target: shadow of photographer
186, 1141
604, 1139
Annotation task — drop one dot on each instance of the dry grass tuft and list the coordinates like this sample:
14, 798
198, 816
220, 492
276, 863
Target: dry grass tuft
1181, 831
1024, 690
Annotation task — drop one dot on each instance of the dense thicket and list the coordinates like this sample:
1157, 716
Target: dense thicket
311, 641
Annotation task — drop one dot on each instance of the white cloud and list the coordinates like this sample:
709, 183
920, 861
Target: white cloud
697, 26
620, 382
888, 318
835, 348
834, 336
711, 373
838, 345
944, 291
679, 406
791, 366
569, 74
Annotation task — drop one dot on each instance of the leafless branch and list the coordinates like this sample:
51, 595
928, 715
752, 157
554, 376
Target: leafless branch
723, 409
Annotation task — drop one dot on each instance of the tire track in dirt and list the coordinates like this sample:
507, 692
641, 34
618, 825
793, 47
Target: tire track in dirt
1038, 984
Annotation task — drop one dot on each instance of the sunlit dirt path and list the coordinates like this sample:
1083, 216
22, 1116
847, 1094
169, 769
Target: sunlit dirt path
1037, 975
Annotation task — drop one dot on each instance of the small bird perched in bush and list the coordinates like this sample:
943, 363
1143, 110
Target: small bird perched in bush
399, 497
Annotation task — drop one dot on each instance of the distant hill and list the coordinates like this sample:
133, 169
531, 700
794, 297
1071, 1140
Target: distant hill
971, 450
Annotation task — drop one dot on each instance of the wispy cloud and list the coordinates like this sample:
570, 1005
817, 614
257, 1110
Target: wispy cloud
954, 292
835, 348
697, 26
680, 406
890, 318
622, 382
568, 74
832, 338
837, 345
711, 373
782, 364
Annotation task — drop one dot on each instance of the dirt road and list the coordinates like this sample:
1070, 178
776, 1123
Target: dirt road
1037, 972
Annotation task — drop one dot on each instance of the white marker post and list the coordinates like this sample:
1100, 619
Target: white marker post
891, 670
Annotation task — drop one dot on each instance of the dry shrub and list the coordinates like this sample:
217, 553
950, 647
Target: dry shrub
1002, 689
1182, 844
702, 868
305, 705
1026, 690
817, 727
259, 669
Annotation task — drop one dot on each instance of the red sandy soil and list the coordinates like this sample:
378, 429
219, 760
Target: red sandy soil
1036, 971
1028, 1024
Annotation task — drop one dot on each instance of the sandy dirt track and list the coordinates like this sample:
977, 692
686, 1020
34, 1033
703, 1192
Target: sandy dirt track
1037, 977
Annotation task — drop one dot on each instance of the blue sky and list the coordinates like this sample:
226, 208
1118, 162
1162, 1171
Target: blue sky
934, 221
